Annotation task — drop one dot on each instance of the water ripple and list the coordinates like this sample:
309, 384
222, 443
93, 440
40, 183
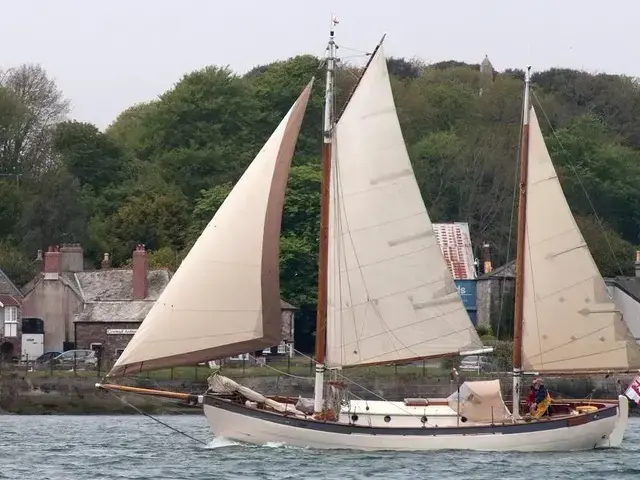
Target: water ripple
133, 447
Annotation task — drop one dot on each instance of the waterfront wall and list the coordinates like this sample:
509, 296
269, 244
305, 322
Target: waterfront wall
46, 395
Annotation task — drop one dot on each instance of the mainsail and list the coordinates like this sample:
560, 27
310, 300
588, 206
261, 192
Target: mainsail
224, 299
570, 323
391, 296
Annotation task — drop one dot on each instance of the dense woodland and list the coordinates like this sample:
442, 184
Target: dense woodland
160, 170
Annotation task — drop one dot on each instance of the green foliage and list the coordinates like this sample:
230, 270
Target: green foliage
162, 169
15, 264
91, 156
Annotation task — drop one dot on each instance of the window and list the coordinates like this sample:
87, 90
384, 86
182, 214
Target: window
10, 322
119, 352
283, 348
242, 356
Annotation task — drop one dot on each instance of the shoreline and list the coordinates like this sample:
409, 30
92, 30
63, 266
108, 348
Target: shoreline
22, 394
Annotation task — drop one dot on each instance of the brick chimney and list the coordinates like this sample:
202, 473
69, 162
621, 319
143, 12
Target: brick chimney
486, 258
637, 263
72, 257
106, 262
39, 262
140, 281
52, 263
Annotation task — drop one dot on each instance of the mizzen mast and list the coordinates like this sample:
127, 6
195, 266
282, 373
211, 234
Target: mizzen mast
321, 321
520, 246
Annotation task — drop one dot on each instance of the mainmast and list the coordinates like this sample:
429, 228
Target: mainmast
321, 321
520, 253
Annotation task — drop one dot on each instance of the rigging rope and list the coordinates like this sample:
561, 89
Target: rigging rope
157, 419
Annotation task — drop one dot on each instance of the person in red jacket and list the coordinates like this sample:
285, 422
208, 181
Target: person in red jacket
531, 399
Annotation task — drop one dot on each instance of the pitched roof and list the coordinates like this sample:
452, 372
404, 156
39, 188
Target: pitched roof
508, 270
455, 242
7, 287
629, 285
116, 284
286, 306
123, 311
9, 300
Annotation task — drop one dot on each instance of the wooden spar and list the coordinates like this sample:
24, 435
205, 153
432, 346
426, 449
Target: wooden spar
323, 270
187, 397
522, 221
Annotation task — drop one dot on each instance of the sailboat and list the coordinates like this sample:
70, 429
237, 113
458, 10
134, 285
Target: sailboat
385, 295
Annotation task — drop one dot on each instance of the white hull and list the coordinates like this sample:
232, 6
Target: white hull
246, 425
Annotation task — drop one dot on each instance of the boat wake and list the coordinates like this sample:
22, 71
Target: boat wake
221, 442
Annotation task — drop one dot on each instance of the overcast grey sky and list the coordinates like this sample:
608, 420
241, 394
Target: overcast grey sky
109, 54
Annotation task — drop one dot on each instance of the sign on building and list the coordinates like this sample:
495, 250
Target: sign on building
121, 331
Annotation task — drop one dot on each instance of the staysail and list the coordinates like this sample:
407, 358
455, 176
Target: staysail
570, 322
224, 299
391, 296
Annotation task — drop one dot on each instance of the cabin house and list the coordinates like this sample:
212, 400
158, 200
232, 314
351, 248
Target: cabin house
10, 319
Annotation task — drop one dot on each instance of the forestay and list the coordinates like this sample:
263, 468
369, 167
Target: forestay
571, 324
224, 299
391, 296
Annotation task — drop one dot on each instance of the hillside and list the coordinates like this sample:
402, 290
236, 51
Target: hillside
162, 168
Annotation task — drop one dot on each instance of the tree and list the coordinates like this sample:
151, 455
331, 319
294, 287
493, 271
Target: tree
11, 204
55, 211
203, 131
155, 215
127, 131
599, 175
16, 264
37, 105
88, 154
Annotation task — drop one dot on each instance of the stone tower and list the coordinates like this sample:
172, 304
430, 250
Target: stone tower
486, 74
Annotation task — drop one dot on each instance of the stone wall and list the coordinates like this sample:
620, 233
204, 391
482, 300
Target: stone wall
96, 332
23, 393
287, 326
490, 293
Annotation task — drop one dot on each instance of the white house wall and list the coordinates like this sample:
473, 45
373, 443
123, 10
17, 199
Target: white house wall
630, 309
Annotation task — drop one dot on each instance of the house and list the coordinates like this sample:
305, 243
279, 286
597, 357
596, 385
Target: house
10, 319
625, 292
496, 295
101, 309
64, 293
455, 243
495, 291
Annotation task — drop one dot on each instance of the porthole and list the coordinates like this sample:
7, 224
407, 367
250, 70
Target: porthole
354, 418
463, 419
424, 419
387, 418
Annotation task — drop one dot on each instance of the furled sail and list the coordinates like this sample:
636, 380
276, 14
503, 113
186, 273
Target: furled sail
391, 296
571, 323
224, 299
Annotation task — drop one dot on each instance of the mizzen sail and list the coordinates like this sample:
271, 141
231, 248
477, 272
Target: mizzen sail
391, 296
224, 299
570, 323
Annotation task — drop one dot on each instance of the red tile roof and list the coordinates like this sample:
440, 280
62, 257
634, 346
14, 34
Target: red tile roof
9, 301
455, 242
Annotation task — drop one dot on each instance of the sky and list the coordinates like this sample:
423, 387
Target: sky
107, 55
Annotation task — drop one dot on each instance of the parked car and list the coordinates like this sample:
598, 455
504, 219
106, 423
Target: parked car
46, 357
478, 363
78, 359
